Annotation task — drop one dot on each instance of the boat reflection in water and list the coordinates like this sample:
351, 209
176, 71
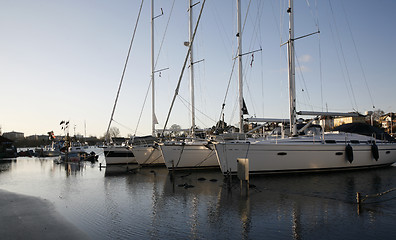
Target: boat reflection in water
202, 205
5, 164
151, 203
115, 170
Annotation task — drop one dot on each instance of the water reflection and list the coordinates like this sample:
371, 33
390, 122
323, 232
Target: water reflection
5, 165
118, 170
152, 203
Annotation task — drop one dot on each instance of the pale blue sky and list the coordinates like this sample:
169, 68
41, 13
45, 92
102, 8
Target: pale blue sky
62, 60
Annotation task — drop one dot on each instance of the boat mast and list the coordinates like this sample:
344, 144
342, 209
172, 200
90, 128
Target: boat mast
291, 63
191, 29
153, 118
239, 36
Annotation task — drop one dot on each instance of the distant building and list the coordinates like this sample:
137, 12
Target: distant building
14, 135
388, 122
37, 137
344, 120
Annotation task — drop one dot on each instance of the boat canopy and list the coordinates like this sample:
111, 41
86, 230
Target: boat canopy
365, 129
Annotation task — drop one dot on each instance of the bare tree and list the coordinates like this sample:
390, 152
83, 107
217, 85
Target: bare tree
377, 114
113, 132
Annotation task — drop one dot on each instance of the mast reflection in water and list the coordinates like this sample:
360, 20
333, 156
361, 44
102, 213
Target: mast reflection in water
150, 203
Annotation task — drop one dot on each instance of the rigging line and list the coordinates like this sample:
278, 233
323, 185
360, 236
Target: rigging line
251, 98
316, 17
302, 75
275, 20
357, 53
282, 53
189, 105
339, 62
282, 16
185, 103
320, 72
246, 15
227, 89
252, 42
246, 59
233, 65
155, 65
163, 37
221, 28
234, 109
316, 20
184, 66
261, 65
144, 103
125, 66
122, 125
244, 23
312, 14
343, 56
210, 154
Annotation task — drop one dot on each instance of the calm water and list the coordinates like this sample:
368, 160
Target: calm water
150, 204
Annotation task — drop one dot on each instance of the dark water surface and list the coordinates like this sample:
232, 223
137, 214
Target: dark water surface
149, 204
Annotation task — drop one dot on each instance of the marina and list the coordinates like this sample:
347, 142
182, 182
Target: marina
237, 120
151, 203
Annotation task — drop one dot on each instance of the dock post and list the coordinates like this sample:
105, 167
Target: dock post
358, 201
243, 173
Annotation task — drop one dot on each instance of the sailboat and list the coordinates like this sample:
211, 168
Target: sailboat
146, 149
190, 153
120, 153
304, 153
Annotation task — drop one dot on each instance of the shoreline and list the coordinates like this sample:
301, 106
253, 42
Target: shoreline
27, 217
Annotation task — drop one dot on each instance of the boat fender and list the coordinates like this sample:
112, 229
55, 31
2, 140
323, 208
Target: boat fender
374, 151
349, 153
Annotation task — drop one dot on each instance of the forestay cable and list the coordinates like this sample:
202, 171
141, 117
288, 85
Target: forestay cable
357, 53
123, 72
343, 56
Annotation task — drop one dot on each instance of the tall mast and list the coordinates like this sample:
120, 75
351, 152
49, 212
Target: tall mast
191, 29
152, 72
291, 62
239, 36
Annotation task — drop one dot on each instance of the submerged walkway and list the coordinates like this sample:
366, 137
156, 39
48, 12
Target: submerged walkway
25, 217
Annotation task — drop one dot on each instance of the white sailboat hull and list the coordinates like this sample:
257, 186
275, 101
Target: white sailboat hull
148, 155
301, 157
189, 156
117, 155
